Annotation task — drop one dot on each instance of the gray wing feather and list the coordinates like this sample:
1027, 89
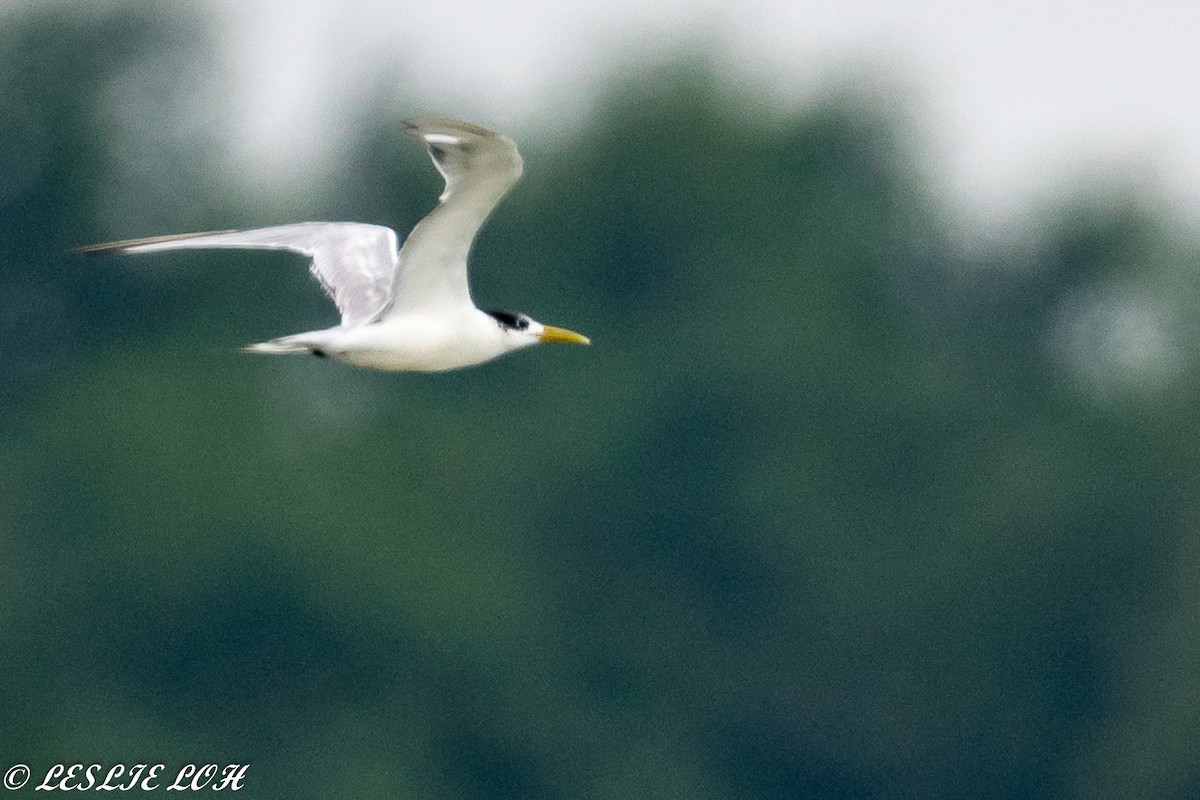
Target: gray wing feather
479, 167
355, 263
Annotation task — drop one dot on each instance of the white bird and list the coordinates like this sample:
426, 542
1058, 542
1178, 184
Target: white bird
403, 309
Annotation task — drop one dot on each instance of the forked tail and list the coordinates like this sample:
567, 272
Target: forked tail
284, 344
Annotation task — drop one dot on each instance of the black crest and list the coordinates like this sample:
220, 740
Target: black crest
507, 319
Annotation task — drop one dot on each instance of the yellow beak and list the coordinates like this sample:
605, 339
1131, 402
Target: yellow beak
563, 336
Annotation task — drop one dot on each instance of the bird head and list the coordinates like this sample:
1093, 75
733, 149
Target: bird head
524, 331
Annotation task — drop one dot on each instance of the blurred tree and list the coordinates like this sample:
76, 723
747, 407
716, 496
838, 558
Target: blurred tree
71, 87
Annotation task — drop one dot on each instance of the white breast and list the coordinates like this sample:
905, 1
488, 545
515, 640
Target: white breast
421, 342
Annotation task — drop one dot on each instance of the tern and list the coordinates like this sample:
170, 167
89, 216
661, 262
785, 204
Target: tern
403, 309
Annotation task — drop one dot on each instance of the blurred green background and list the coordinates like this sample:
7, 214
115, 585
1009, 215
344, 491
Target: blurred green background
834, 507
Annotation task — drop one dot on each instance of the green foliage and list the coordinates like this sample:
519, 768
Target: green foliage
819, 514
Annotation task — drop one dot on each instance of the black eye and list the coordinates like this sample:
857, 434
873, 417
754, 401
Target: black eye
522, 322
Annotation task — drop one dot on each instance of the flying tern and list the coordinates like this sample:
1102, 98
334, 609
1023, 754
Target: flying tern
403, 309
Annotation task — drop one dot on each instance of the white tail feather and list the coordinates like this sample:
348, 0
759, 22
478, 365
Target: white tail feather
287, 344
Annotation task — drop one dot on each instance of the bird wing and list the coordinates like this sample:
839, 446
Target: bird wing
479, 167
354, 262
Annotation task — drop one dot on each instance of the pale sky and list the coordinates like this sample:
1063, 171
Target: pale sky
1009, 96
1012, 100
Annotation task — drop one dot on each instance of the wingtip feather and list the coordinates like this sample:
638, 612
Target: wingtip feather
128, 245
427, 125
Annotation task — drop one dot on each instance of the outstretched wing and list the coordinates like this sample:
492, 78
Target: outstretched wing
479, 167
354, 262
